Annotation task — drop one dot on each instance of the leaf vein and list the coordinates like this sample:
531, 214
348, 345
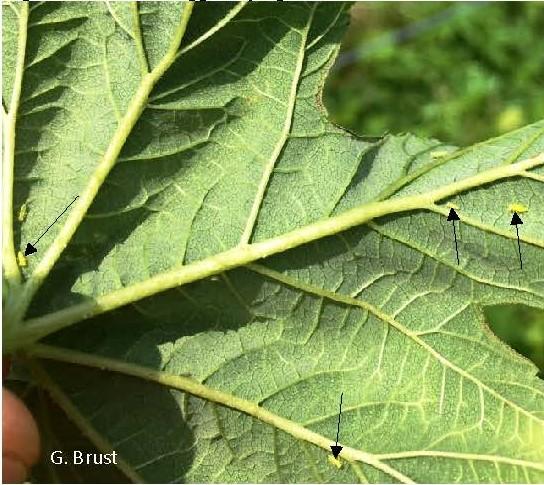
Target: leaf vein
276, 276
269, 166
453, 266
207, 393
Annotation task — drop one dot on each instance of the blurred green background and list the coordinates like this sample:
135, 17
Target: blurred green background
461, 72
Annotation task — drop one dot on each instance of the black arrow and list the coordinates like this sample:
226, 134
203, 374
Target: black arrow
514, 222
452, 216
336, 449
30, 249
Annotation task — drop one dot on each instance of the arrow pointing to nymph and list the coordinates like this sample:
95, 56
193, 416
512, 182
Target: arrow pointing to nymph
452, 216
514, 222
31, 248
336, 448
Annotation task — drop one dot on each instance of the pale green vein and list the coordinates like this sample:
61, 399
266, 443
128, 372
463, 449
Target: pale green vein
86, 197
207, 393
138, 38
12, 7
107, 78
329, 27
358, 407
384, 317
486, 177
78, 419
311, 463
461, 456
394, 187
269, 166
524, 146
487, 227
118, 20
172, 106
359, 472
37, 328
47, 431
10, 267
457, 268
221, 430
275, 453
218, 26
534, 176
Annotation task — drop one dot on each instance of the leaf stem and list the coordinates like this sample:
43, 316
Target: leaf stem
103, 168
11, 269
36, 328
191, 386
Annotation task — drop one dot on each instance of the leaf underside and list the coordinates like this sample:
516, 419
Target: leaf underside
233, 147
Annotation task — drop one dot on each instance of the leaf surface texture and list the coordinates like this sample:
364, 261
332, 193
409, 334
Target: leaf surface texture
324, 261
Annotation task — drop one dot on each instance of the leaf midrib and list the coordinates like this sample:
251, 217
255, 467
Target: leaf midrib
403, 454
102, 170
139, 102
9, 119
83, 424
207, 393
465, 219
298, 431
38, 327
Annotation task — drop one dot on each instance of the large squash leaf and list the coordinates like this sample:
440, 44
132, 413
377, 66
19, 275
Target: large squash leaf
234, 262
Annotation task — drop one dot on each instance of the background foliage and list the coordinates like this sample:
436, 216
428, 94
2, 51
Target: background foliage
459, 72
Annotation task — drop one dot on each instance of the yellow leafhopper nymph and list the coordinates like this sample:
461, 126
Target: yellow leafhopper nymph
23, 211
439, 154
334, 461
517, 207
21, 259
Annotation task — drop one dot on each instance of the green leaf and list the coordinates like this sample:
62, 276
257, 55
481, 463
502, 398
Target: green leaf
234, 261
